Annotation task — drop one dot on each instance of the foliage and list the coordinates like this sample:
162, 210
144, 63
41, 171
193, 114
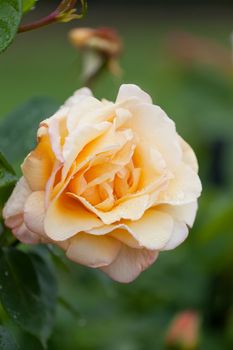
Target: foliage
10, 16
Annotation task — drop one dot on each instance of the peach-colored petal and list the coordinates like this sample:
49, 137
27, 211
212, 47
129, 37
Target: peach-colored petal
184, 188
130, 90
38, 165
77, 140
66, 216
117, 231
15, 205
189, 156
131, 209
153, 230
125, 237
34, 212
24, 235
93, 251
179, 234
79, 111
78, 96
185, 213
153, 127
129, 264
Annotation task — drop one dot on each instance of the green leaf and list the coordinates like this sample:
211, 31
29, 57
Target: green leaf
28, 291
10, 16
7, 341
16, 142
48, 284
7, 179
7, 174
28, 5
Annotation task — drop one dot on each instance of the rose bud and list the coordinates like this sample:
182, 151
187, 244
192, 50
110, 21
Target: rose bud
102, 48
184, 331
112, 183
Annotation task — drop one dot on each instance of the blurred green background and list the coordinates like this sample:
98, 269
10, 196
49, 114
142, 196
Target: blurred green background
192, 80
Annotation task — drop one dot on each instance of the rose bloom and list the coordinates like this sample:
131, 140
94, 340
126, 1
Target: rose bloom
112, 184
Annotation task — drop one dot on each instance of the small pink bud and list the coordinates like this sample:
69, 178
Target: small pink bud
184, 331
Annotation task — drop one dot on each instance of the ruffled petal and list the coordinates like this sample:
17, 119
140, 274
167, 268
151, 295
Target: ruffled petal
129, 264
14, 207
153, 230
179, 234
34, 212
130, 90
93, 251
66, 216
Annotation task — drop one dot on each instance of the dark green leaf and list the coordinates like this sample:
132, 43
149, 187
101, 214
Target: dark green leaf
28, 291
7, 341
28, 5
48, 285
16, 142
10, 16
7, 174
7, 179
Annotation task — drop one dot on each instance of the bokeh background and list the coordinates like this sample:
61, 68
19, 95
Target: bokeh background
180, 53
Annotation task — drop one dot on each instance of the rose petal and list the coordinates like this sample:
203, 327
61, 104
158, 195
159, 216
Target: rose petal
38, 165
153, 127
130, 90
184, 188
189, 156
77, 140
132, 209
15, 204
129, 264
34, 212
179, 234
93, 251
65, 217
185, 213
153, 230
78, 96
24, 235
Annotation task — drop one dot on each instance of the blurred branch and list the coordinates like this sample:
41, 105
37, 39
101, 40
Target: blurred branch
65, 12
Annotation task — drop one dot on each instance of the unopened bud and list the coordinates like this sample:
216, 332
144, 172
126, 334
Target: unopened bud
183, 332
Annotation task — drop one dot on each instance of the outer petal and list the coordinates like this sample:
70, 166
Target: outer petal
189, 156
185, 213
93, 251
153, 230
78, 96
184, 188
119, 232
65, 217
38, 165
23, 234
154, 128
129, 264
15, 204
130, 90
34, 212
179, 234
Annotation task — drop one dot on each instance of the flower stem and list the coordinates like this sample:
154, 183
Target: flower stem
51, 18
63, 8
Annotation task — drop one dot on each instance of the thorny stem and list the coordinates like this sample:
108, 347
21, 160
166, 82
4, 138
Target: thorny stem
64, 7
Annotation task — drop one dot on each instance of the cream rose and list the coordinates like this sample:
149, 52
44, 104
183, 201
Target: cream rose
110, 183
